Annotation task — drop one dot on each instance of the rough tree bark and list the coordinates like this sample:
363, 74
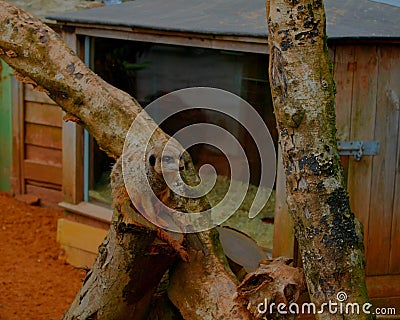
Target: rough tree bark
303, 89
130, 264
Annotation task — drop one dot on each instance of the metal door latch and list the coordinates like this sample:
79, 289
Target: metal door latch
358, 148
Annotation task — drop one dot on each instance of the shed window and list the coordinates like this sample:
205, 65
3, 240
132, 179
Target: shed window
149, 70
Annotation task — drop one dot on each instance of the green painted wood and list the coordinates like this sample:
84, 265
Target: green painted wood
5, 125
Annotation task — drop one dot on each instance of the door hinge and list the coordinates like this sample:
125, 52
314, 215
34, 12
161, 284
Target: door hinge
358, 148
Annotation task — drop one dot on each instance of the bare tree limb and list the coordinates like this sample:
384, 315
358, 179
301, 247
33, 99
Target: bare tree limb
329, 235
40, 57
115, 287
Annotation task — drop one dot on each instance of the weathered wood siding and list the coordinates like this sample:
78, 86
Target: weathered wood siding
368, 91
39, 147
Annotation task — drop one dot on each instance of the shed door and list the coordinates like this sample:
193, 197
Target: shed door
368, 86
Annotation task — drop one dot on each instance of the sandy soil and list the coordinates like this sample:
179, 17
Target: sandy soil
35, 284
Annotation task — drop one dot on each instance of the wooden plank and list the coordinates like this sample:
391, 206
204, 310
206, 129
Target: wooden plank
344, 74
384, 165
77, 257
42, 172
72, 141
394, 260
44, 136
394, 99
388, 132
80, 236
42, 184
89, 221
48, 197
383, 286
362, 127
72, 162
36, 96
69, 36
44, 155
17, 180
43, 113
283, 223
89, 210
232, 43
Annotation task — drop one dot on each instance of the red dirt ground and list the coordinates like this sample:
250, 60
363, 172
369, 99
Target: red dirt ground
34, 283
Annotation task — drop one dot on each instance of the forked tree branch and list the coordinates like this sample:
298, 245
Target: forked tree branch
40, 57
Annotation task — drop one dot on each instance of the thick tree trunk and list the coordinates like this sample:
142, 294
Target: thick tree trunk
130, 264
329, 236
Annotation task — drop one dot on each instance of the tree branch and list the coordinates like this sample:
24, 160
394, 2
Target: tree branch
40, 57
330, 237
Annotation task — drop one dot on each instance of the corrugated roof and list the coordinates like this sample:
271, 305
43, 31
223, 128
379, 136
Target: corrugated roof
345, 18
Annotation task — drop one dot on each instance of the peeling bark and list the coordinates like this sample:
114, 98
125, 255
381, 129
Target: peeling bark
330, 237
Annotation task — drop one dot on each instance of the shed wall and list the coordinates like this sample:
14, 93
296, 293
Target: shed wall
38, 146
368, 91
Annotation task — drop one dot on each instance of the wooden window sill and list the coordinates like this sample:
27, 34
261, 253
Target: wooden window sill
89, 210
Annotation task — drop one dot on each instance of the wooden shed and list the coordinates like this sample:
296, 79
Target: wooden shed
149, 48
30, 125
